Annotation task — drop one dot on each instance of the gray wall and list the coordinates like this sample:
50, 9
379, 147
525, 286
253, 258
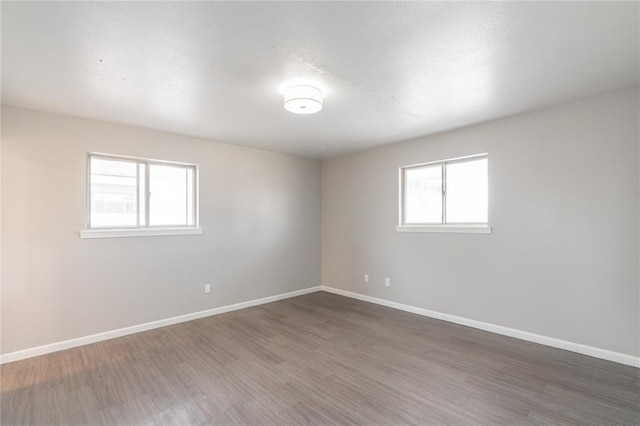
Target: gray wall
563, 258
260, 212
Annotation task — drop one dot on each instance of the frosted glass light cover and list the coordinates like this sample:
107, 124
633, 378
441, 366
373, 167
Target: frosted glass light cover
303, 99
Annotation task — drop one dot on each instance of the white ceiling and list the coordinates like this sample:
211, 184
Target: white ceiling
392, 70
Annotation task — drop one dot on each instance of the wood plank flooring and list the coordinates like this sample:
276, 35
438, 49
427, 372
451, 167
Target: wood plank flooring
317, 359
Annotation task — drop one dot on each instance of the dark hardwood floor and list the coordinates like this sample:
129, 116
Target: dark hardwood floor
318, 359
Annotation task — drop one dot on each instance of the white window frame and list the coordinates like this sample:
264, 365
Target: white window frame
141, 230
473, 228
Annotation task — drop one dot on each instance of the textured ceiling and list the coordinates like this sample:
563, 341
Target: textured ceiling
392, 70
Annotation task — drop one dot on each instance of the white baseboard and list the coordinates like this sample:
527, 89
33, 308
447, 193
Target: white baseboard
511, 332
80, 341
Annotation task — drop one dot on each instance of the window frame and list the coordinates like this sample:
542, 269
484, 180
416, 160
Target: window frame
138, 229
443, 226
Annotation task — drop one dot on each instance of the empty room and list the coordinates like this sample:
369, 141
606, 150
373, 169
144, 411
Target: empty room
320, 212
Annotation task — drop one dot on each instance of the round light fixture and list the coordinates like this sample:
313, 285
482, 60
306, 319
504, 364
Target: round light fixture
303, 99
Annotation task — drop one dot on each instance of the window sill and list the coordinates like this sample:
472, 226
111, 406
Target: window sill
461, 229
136, 232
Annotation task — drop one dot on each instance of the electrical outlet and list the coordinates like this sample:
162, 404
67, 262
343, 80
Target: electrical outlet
207, 288
366, 278
387, 282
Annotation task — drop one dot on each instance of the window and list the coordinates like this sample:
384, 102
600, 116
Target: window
131, 196
445, 196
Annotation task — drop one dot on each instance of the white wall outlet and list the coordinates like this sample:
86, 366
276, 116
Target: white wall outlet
207, 288
387, 282
366, 278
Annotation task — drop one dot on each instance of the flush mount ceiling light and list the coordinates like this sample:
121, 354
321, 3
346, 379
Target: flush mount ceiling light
303, 99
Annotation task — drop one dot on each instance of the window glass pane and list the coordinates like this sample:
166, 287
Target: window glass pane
467, 192
113, 193
190, 195
142, 194
168, 201
423, 194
